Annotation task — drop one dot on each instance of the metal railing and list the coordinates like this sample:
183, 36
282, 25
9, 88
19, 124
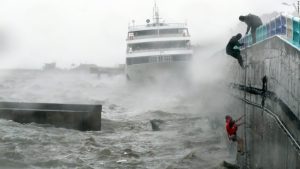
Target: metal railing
157, 36
154, 25
161, 50
284, 25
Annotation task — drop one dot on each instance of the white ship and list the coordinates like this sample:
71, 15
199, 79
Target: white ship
157, 49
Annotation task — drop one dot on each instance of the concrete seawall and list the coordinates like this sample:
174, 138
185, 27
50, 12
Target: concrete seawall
73, 116
268, 145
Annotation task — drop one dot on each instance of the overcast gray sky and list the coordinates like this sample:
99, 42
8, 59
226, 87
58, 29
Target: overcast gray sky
94, 31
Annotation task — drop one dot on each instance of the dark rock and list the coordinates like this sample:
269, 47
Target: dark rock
129, 153
190, 156
155, 123
229, 165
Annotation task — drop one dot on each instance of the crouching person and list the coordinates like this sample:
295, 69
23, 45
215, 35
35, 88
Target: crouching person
232, 48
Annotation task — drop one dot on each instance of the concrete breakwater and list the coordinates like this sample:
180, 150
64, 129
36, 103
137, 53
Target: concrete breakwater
267, 143
74, 116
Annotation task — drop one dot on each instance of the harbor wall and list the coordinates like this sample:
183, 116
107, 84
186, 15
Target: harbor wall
72, 116
267, 144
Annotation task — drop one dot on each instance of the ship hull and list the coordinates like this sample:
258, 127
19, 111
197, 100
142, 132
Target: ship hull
154, 72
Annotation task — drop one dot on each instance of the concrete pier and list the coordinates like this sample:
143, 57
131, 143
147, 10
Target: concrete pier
73, 116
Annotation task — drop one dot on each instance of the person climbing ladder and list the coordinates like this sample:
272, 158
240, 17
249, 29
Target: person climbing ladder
231, 128
232, 48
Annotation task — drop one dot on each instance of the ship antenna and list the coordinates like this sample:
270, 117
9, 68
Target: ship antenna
155, 13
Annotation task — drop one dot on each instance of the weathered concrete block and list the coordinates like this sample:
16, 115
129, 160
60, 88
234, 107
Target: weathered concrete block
74, 116
280, 61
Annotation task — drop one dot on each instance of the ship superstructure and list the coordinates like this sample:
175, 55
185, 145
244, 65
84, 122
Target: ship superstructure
157, 48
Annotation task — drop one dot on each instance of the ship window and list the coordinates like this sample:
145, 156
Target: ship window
168, 58
170, 31
181, 32
161, 32
130, 35
146, 33
137, 60
153, 59
160, 45
157, 59
181, 57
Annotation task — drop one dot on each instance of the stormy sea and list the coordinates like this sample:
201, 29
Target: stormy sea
149, 126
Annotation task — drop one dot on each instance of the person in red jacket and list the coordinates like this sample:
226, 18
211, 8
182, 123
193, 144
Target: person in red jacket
231, 128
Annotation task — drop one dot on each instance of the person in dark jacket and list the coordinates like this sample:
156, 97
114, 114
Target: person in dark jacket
264, 90
232, 50
265, 84
252, 22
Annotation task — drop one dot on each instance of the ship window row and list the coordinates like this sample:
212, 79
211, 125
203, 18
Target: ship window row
148, 46
157, 59
158, 32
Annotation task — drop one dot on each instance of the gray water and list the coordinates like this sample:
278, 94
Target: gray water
191, 135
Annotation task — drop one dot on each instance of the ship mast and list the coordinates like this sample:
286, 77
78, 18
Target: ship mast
155, 13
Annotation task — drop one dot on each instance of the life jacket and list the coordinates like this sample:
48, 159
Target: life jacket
231, 130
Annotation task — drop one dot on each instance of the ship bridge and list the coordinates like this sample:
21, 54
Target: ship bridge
158, 39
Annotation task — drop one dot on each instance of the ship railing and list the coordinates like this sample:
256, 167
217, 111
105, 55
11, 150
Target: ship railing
157, 36
154, 25
286, 26
159, 50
